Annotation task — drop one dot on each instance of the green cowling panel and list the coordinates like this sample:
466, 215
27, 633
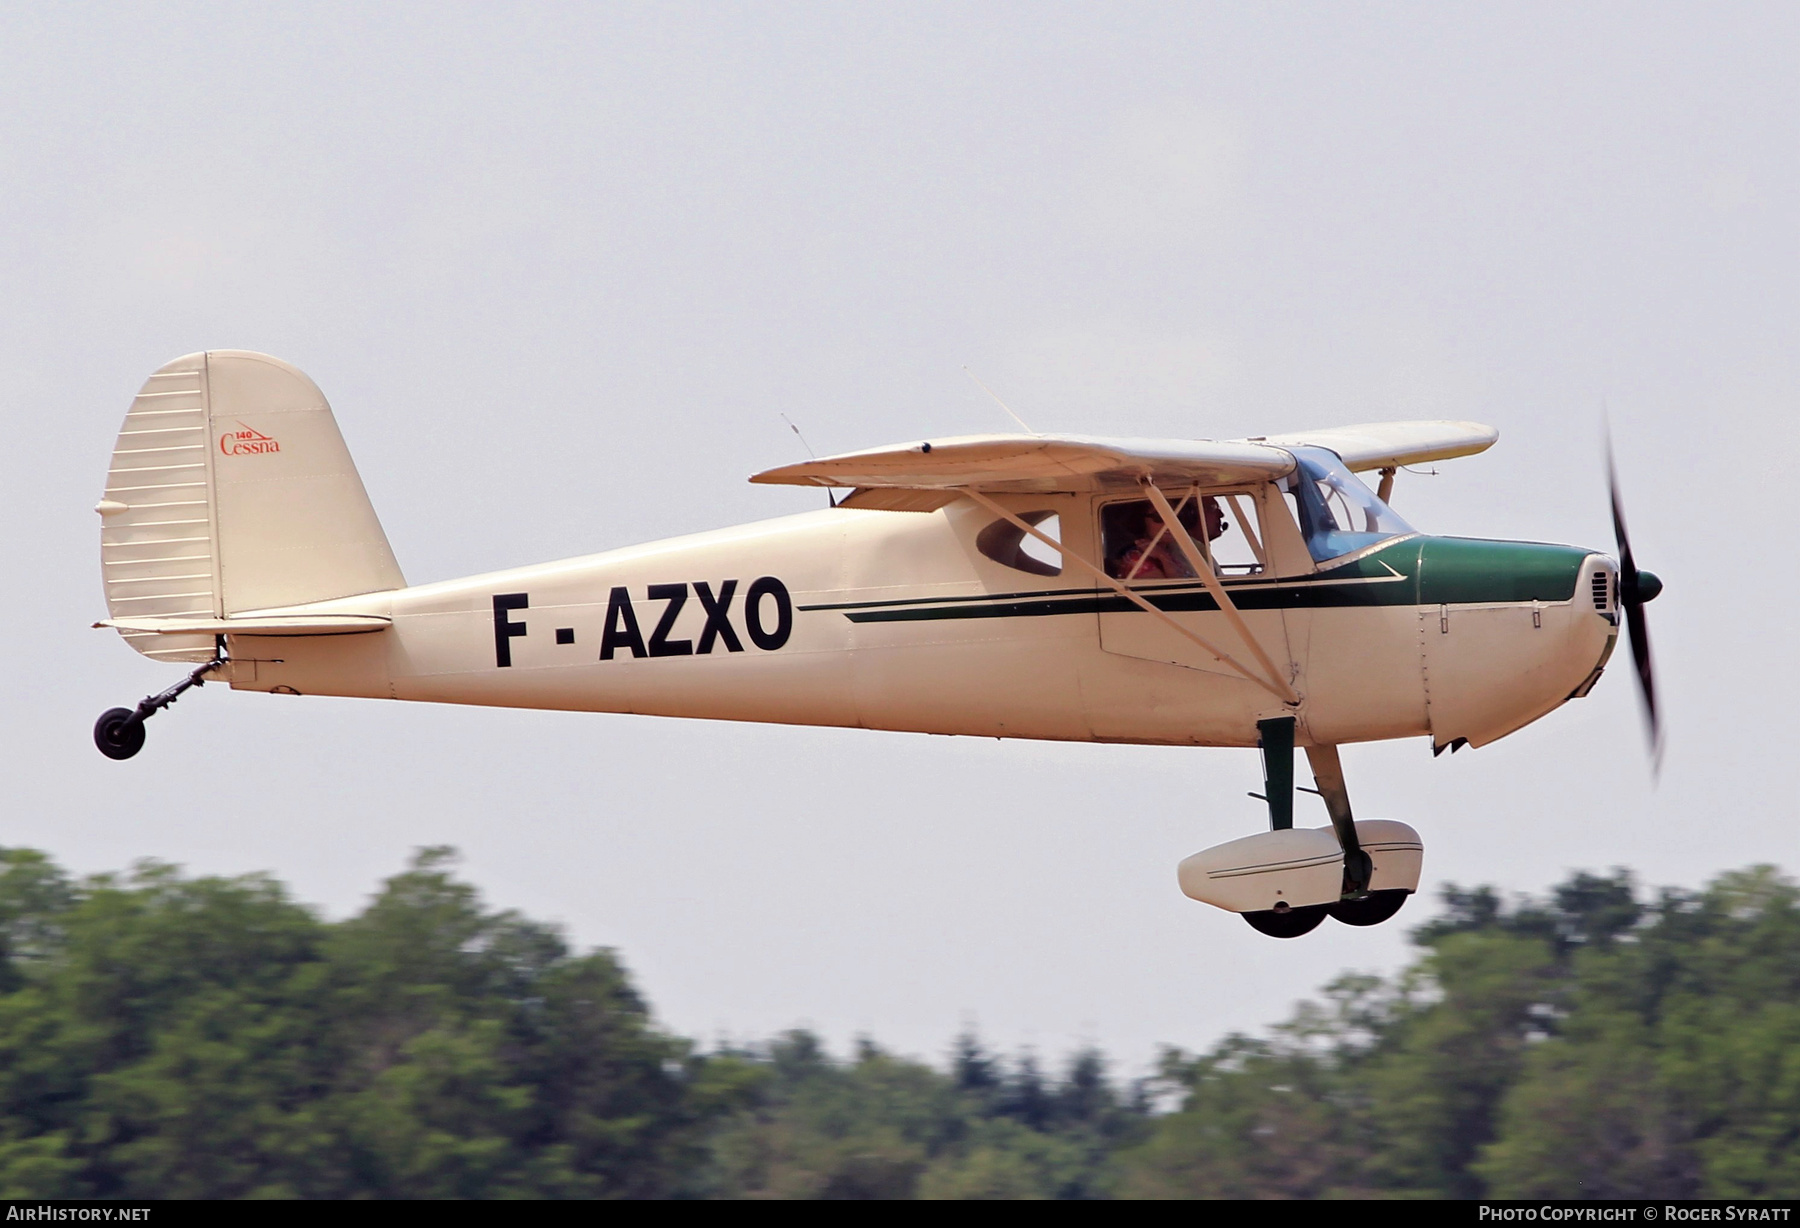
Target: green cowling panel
1466, 571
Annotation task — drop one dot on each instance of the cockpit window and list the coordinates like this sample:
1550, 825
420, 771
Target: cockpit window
1005, 542
1138, 546
1337, 513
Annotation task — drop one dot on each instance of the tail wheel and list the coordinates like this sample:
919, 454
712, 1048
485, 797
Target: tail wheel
1288, 923
119, 733
1372, 909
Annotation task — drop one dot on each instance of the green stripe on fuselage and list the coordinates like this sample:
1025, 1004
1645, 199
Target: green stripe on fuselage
1412, 571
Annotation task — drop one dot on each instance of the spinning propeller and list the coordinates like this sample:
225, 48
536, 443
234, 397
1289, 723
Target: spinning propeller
1636, 589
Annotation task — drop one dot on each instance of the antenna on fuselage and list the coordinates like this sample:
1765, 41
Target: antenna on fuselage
809, 449
997, 400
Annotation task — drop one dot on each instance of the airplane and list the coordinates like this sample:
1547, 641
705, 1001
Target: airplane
1248, 593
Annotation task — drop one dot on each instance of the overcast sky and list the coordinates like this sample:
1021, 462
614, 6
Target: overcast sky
559, 270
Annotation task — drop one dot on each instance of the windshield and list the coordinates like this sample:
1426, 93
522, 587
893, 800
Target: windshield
1337, 513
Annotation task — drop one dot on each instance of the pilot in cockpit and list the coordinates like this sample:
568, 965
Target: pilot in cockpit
1152, 553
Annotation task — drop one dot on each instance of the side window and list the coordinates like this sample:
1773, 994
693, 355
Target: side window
1006, 543
1238, 549
1139, 547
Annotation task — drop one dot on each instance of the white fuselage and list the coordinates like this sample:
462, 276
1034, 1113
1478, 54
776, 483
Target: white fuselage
895, 620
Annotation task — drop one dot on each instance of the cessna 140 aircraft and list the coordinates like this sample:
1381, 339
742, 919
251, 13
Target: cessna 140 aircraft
1246, 593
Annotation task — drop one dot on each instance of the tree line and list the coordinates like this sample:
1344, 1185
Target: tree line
163, 1035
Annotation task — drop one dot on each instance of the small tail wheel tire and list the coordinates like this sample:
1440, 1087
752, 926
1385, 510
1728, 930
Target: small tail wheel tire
119, 733
1288, 923
1372, 909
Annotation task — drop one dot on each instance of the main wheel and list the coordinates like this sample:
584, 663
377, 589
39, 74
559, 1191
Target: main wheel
118, 733
1372, 909
1290, 923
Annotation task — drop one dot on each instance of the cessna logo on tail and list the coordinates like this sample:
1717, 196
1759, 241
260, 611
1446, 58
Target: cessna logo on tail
247, 442
768, 619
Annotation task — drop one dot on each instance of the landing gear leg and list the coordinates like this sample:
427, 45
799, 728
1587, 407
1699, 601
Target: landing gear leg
119, 733
1328, 774
1276, 738
1359, 906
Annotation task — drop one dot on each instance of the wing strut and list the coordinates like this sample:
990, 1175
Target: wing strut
1203, 568
1280, 689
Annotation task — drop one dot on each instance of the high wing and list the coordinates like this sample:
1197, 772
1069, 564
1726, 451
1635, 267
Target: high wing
1387, 445
1071, 463
1040, 463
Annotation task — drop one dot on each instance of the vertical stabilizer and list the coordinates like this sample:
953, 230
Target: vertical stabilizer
231, 490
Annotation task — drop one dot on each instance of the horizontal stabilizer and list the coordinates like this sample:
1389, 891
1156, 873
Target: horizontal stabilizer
284, 624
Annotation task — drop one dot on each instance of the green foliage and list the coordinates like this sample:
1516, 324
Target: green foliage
1588, 1045
884, 1127
178, 1037
199, 1037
